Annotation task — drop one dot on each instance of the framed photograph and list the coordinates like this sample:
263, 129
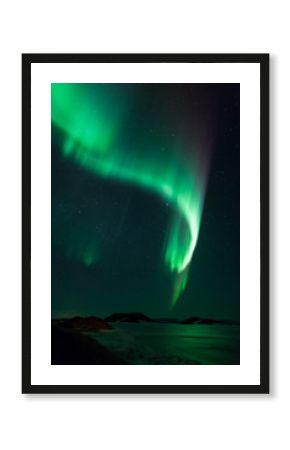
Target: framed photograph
145, 223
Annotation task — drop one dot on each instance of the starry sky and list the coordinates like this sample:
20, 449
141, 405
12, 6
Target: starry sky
145, 199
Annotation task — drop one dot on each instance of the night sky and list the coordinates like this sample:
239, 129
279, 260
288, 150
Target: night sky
146, 199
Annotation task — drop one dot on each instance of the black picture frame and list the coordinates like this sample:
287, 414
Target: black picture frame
263, 61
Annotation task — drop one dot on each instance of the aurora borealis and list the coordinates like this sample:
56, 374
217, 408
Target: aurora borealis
155, 144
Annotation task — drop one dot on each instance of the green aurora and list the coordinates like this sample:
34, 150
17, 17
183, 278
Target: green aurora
92, 118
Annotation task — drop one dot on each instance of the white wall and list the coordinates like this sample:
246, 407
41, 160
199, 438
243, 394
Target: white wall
222, 422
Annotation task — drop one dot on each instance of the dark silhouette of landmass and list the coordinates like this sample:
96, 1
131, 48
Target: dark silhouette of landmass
166, 320
91, 323
128, 317
72, 347
94, 324
140, 317
191, 320
202, 321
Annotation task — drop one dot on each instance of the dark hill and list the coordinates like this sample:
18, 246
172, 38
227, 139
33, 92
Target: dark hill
167, 320
91, 323
72, 347
128, 317
200, 321
191, 320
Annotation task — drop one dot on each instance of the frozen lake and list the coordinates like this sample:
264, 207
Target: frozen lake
158, 343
